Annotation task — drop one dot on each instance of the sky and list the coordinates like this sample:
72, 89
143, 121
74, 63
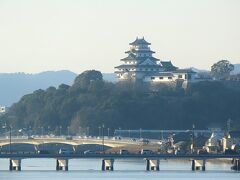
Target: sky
78, 35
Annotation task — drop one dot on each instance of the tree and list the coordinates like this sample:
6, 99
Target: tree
221, 69
91, 102
86, 80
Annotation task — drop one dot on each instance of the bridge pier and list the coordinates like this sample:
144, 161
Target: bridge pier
236, 165
62, 164
107, 164
197, 165
152, 164
15, 164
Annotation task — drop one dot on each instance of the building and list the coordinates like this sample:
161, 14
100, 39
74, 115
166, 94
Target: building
139, 62
141, 65
3, 110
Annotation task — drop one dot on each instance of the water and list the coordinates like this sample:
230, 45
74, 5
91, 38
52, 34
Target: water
41, 169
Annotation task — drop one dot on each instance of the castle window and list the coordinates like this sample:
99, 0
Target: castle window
169, 77
161, 77
180, 76
152, 78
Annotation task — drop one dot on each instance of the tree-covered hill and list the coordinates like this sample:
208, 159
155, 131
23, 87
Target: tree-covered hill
91, 102
15, 85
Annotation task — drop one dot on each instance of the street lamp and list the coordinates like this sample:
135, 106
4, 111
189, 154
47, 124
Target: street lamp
120, 133
48, 130
103, 138
99, 131
87, 131
140, 133
42, 131
10, 137
29, 131
60, 131
79, 130
68, 131
108, 132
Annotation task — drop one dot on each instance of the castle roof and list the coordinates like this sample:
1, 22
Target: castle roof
168, 66
140, 59
140, 41
131, 66
130, 56
140, 51
189, 71
169, 74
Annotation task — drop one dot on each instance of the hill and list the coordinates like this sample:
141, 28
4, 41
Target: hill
15, 85
91, 102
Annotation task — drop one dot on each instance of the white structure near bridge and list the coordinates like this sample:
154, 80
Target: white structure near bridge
3, 110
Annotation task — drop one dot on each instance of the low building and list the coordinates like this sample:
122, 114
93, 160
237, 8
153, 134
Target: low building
233, 138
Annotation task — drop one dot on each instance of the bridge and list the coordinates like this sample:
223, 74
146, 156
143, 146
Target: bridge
74, 141
153, 160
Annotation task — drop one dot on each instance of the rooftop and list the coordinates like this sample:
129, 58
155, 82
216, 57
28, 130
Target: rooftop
184, 71
140, 51
168, 66
139, 58
137, 66
140, 41
169, 74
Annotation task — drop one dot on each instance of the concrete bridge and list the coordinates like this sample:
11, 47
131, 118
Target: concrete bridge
63, 140
198, 162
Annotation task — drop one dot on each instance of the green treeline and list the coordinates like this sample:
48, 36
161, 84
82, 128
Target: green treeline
91, 102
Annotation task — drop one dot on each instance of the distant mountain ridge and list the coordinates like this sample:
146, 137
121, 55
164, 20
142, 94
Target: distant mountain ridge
14, 85
236, 69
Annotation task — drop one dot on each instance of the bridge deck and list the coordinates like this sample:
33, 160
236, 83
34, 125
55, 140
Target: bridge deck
120, 156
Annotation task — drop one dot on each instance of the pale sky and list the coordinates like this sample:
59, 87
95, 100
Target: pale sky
77, 35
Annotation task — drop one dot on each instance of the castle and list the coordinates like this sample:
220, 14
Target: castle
141, 65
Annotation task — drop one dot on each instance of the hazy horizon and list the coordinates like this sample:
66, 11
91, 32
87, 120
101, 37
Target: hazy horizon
50, 35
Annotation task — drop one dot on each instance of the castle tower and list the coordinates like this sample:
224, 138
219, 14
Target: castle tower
139, 62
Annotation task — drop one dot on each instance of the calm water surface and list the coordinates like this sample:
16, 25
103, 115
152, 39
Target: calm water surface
41, 169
